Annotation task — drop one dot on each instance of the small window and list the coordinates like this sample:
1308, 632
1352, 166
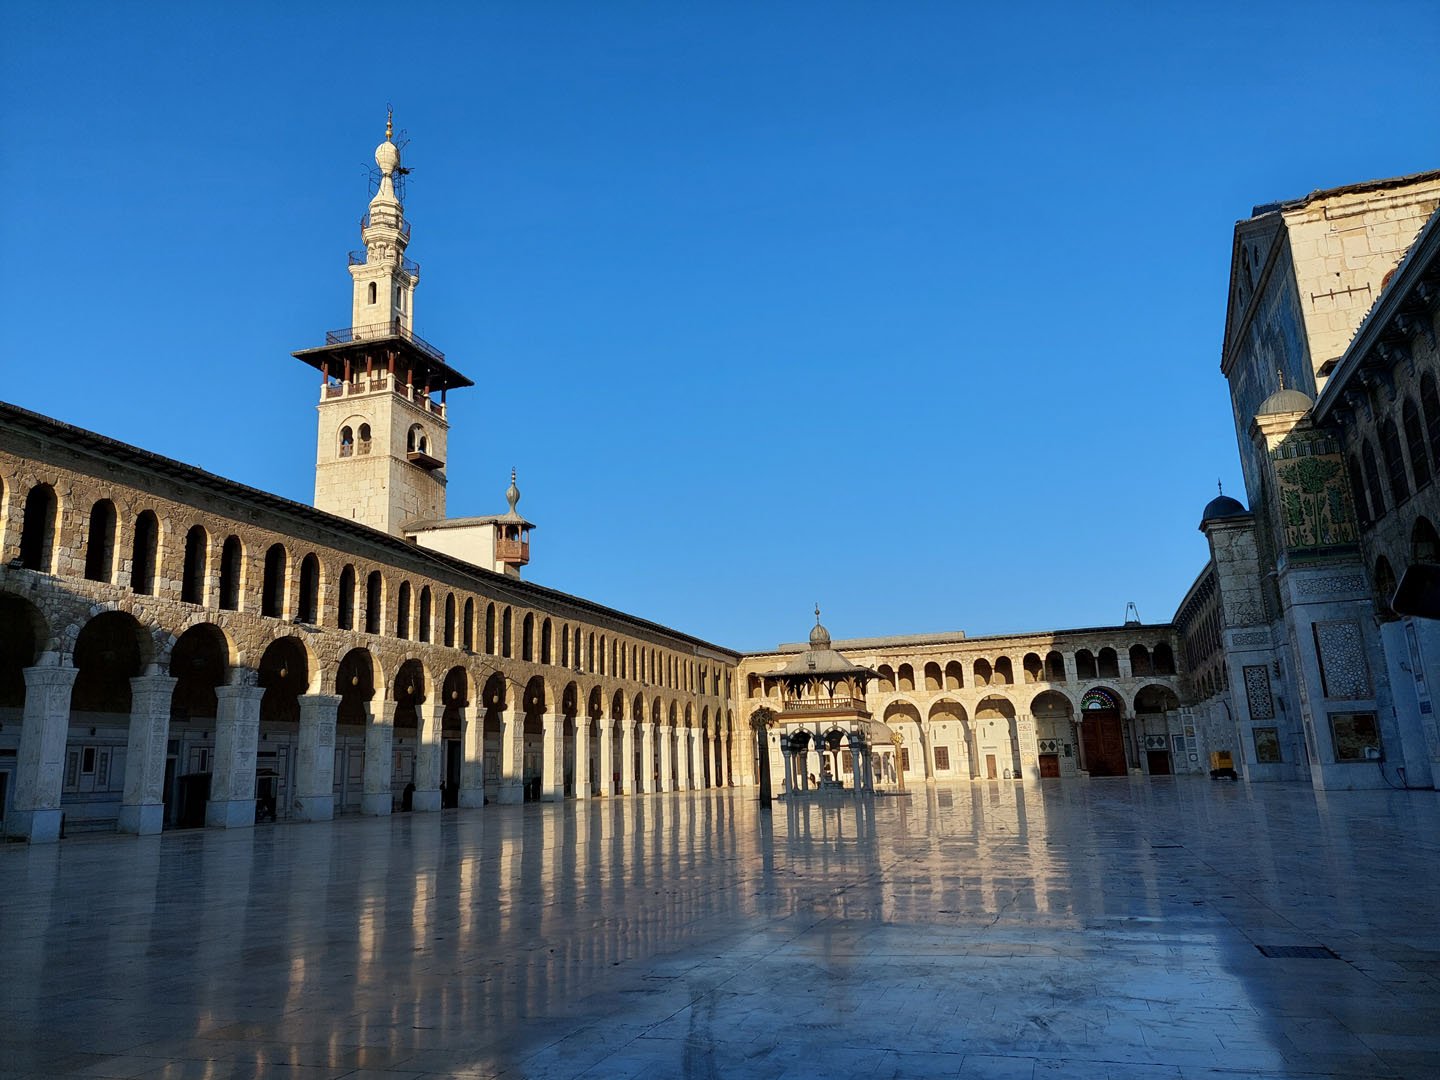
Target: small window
942, 758
347, 442
364, 445
372, 292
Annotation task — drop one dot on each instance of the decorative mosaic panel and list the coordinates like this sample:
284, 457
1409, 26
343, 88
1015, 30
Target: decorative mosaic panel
1325, 586
1257, 692
1251, 637
1314, 499
1343, 671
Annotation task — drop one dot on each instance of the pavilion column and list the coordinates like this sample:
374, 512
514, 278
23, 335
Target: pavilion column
927, 743
40, 763
237, 737
315, 758
646, 780
512, 754
727, 775
552, 758
697, 758
605, 769
142, 807
377, 798
427, 757
627, 757
582, 757
667, 757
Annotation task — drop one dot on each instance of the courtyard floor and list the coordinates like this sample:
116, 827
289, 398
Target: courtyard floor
1070, 929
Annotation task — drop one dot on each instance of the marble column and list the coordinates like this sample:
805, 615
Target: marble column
646, 780
552, 758
667, 757
142, 806
232, 779
627, 757
40, 764
927, 743
697, 758
377, 798
606, 769
472, 764
512, 754
722, 756
427, 757
315, 758
582, 757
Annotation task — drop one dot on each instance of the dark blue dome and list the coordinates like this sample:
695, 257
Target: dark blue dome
1222, 506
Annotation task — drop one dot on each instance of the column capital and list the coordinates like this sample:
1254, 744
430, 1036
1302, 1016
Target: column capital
50, 677
319, 701
240, 694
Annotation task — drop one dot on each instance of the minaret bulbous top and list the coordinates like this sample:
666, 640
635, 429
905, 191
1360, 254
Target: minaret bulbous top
512, 494
819, 637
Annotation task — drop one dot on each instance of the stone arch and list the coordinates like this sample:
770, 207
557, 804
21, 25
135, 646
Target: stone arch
1004, 672
1085, 665
424, 616
355, 682
996, 738
40, 529
1098, 698
1108, 663
1140, 662
905, 677
1033, 668
950, 728
145, 553
345, 599
100, 544
887, 679
110, 650
272, 587
1154, 698
307, 599
982, 671
200, 661
954, 675
1424, 542
934, 681
1054, 666
194, 572
284, 673
1163, 658
24, 636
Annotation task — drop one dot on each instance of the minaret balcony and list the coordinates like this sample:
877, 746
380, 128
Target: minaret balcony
366, 222
512, 551
348, 335
362, 258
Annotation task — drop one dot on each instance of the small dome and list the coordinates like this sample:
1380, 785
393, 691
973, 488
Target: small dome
1285, 401
1223, 506
512, 493
819, 637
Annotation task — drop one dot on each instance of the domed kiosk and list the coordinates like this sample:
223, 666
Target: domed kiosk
823, 711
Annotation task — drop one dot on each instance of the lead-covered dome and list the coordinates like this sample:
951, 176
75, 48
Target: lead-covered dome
1223, 506
1285, 401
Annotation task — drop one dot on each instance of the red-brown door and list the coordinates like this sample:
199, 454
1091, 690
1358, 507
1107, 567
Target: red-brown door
1104, 743
1049, 766
1159, 762
991, 772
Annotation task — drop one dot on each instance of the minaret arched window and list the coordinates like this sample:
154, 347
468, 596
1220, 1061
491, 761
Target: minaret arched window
230, 572
345, 602
1415, 443
1394, 461
363, 447
402, 611
145, 553
37, 534
307, 604
272, 589
100, 550
347, 441
372, 292
374, 602
197, 565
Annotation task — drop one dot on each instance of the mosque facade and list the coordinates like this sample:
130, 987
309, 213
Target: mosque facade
178, 649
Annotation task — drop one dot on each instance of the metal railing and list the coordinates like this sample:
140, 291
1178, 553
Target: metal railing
361, 258
404, 225
379, 332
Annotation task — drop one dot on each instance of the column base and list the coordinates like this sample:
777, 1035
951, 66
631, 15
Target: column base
143, 819
425, 801
377, 805
36, 826
230, 814
472, 798
553, 796
511, 791
315, 808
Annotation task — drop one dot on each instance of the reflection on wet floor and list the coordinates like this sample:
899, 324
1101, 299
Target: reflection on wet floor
1071, 929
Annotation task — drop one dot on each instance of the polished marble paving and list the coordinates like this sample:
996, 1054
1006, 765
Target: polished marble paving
1071, 929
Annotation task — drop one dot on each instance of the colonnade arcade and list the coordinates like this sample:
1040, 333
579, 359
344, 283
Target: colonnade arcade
126, 725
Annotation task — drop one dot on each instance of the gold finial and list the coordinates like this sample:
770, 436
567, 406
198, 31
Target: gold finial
817, 612
389, 123
1280, 373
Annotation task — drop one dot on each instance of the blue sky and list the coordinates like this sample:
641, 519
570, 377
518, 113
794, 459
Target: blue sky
910, 309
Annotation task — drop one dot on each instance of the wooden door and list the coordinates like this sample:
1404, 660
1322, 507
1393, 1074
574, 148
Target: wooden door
991, 772
1104, 743
1049, 766
1159, 762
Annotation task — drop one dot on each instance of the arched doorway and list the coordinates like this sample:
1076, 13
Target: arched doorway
408, 695
1054, 734
111, 649
455, 693
1153, 706
355, 681
1102, 732
284, 674
997, 750
23, 635
199, 662
493, 702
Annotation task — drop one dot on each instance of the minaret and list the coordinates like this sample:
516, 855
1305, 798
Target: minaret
380, 456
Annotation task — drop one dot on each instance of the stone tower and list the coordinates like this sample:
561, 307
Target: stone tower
380, 455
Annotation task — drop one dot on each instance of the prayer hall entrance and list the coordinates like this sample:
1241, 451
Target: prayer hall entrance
1102, 733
